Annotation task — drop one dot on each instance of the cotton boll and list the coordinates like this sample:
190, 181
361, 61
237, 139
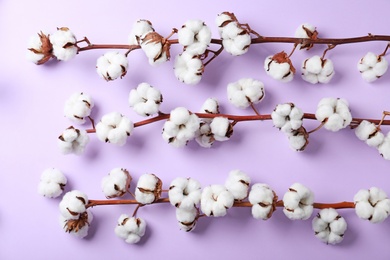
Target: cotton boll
112, 65
73, 204
317, 70
210, 106
114, 128
336, 113
372, 66
116, 183
384, 148
298, 202
287, 117
262, 198
148, 189
238, 184
145, 99
140, 28
187, 218
184, 193
195, 36
372, 205
39, 48
79, 226
78, 106
188, 68
215, 200
300, 32
365, 129
221, 128
329, 226
298, 140
52, 183
64, 44
281, 71
204, 137
245, 92
130, 229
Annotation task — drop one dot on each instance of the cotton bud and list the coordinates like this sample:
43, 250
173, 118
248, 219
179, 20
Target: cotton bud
116, 183
298, 202
64, 44
372, 66
145, 99
114, 128
370, 133
306, 31
287, 117
75, 217
263, 200
188, 68
279, 67
130, 229
245, 92
235, 39
39, 48
112, 65
73, 140
238, 184
52, 183
317, 70
140, 28
184, 193
155, 47
195, 36
187, 218
216, 200
148, 189
204, 137
329, 226
210, 106
334, 113
181, 127
221, 128
78, 107
372, 205
384, 148
298, 139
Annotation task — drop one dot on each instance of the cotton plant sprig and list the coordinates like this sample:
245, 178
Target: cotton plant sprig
209, 125
195, 38
192, 202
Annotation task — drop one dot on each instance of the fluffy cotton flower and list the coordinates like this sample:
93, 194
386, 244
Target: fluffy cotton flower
384, 148
140, 28
287, 117
317, 70
64, 44
306, 31
238, 184
329, 226
114, 128
188, 68
221, 128
130, 229
298, 202
372, 66
372, 205
187, 218
334, 113
210, 106
298, 139
148, 188
235, 39
77, 227
181, 127
245, 92
73, 140
116, 183
155, 47
52, 183
203, 136
75, 217
280, 67
263, 200
78, 107
112, 65
39, 48
145, 99
195, 36
184, 193
370, 133
216, 200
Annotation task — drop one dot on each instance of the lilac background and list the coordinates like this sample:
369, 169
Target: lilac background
335, 165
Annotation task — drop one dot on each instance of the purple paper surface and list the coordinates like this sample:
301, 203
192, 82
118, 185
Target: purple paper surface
335, 166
